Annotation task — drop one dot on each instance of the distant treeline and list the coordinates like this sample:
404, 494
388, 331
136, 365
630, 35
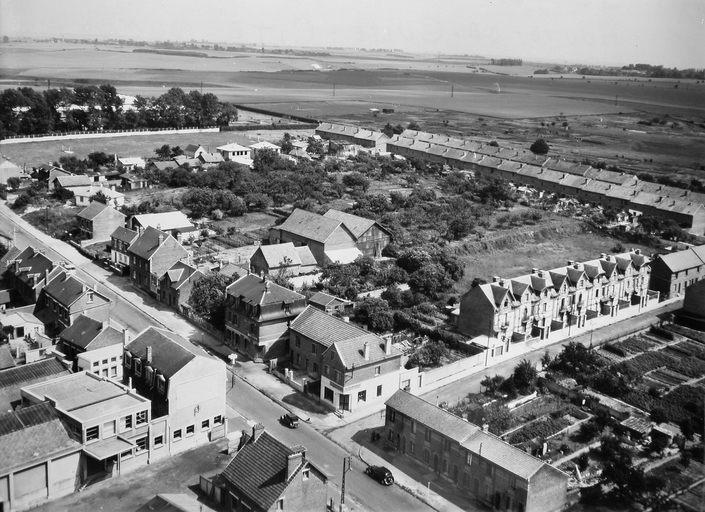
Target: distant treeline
182, 53
645, 70
507, 62
24, 111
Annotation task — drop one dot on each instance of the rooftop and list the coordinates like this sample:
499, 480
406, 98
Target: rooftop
170, 352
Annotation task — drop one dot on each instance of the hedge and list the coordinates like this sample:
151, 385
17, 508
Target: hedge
542, 429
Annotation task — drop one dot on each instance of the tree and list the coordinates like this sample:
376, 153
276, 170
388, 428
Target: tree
100, 197
546, 360
492, 384
525, 374
498, 418
285, 144
315, 146
413, 125
164, 152
283, 276
208, 296
61, 194
540, 147
13, 182
375, 313
98, 158
356, 180
431, 354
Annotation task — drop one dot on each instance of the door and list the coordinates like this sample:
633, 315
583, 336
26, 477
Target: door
345, 402
435, 462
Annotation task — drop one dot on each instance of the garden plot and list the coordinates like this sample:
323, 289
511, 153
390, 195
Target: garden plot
667, 377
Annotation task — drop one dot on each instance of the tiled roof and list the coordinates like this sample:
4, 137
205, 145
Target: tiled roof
254, 290
162, 166
323, 299
259, 470
306, 256
13, 379
6, 359
232, 147
358, 226
148, 242
124, 235
91, 190
165, 221
12, 253
324, 328
86, 332
310, 225
73, 181
211, 158
132, 177
351, 351
170, 352
504, 455
181, 273
31, 435
91, 211
264, 145
277, 254
443, 422
682, 260
35, 261
67, 289
132, 160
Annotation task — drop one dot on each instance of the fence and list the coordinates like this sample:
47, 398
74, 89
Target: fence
274, 126
277, 114
18, 139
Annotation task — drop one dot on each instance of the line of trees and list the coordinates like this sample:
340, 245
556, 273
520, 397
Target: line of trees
24, 111
507, 62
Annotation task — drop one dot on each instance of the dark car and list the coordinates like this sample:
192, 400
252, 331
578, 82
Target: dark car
290, 420
381, 474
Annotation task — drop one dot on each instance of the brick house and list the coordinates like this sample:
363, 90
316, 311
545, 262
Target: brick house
328, 239
151, 255
89, 335
257, 317
518, 310
176, 284
370, 236
478, 463
29, 272
355, 367
185, 385
98, 221
40, 458
65, 298
271, 259
120, 241
672, 273
265, 475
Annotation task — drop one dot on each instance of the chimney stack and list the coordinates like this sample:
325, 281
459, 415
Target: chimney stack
388, 345
161, 238
366, 351
149, 355
295, 460
495, 279
257, 431
125, 337
534, 271
602, 255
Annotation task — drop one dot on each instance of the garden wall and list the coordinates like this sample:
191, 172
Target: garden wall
433, 379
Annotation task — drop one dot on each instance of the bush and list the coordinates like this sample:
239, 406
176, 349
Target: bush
658, 331
615, 350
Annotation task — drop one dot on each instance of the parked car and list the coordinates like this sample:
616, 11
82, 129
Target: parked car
381, 474
290, 420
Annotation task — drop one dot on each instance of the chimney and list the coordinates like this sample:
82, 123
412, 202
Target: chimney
104, 325
366, 351
161, 238
570, 263
261, 275
576, 266
149, 355
125, 337
540, 274
295, 460
603, 255
534, 271
388, 346
256, 432
346, 319
485, 428
637, 251
495, 279
17, 266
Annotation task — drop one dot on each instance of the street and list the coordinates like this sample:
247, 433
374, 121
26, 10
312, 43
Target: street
137, 311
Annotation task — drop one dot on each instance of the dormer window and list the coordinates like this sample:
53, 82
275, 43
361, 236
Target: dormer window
138, 367
127, 360
89, 297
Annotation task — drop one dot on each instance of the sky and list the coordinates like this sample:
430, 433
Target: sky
618, 32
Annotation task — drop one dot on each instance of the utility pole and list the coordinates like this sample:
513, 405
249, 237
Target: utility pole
452, 88
347, 466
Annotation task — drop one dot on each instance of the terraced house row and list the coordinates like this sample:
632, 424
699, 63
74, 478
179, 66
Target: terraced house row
533, 306
601, 187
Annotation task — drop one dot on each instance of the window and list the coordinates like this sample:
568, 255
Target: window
428, 434
92, 434
161, 384
328, 394
468, 458
113, 371
105, 361
298, 341
445, 466
105, 372
446, 445
141, 417
326, 370
95, 364
138, 367
108, 429
177, 435
218, 420
337, 375
412, 447
392, 415
190, 430
512, 482
314, 349
158, 441
413, 426
332, 355
379, 390
126, 455
205, 424
142, 444
426, 456
306, 474
315, 367
362, 396
378, 370
280, 504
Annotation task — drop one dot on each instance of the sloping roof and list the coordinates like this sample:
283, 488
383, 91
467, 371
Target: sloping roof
276, 255
162, 166
148, 242
324, 328
73, 181
324, 299
211, 158
91, 211
170, 352
310, 225
259, 470
6, 359
125, 235
358, 226
31, 435
132, 160
132, 177
427, 414
67, 289
254, 290
88, 333
181, 273
34, 261
306, 256
265, 145
13, 379
679, 261
232, 147
352, 351
11, 254
165, 221
506, 456
93, 189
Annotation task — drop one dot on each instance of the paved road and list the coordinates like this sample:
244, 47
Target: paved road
136, 312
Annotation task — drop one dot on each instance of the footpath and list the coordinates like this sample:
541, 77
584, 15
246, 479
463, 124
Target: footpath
353, 430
